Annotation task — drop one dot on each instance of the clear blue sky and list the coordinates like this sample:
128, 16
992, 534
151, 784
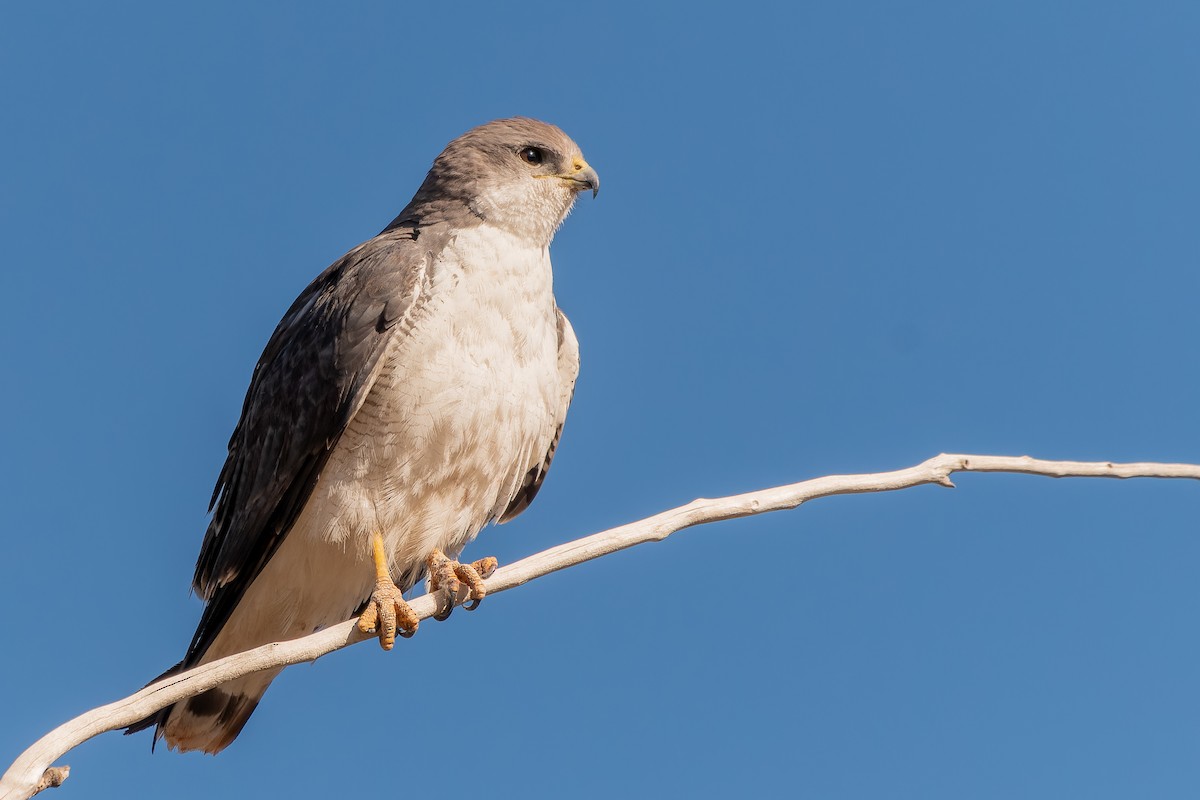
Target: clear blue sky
833, 238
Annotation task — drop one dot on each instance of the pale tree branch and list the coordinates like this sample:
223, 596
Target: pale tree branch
32, 771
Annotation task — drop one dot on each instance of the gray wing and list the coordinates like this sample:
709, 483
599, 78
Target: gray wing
311, 379
568, 371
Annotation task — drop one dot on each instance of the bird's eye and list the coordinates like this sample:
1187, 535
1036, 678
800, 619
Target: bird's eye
532, 155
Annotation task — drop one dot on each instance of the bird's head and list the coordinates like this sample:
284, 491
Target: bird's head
517, 174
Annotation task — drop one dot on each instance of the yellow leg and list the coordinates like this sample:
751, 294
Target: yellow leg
381, 567
386, 613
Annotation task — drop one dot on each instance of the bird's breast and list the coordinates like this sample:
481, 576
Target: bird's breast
463, 406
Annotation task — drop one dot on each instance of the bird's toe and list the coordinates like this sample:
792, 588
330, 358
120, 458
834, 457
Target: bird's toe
453, 583
387, 614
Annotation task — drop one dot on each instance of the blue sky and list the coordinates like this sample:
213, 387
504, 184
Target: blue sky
832, 238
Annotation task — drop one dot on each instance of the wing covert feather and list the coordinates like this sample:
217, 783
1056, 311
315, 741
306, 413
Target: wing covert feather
568, 371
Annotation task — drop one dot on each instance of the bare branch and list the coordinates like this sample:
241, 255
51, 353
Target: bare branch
32, 771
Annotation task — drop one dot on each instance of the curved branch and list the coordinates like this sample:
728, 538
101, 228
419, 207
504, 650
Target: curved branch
32, 771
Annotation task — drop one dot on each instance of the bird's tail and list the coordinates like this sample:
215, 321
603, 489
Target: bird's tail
211, 720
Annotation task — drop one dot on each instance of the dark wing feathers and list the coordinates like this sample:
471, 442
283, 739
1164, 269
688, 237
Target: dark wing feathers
312, 377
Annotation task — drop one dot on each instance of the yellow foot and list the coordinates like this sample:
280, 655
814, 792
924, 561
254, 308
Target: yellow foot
385, 611
447, 579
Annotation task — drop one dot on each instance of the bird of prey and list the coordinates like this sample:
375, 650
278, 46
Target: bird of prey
413, 393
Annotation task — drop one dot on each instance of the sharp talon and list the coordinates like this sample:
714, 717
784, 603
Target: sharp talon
441, 615
403, 634
469, 574
446, 579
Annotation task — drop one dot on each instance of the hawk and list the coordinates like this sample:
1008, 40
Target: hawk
413, 393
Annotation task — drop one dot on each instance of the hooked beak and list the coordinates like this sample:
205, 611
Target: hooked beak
582, 177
